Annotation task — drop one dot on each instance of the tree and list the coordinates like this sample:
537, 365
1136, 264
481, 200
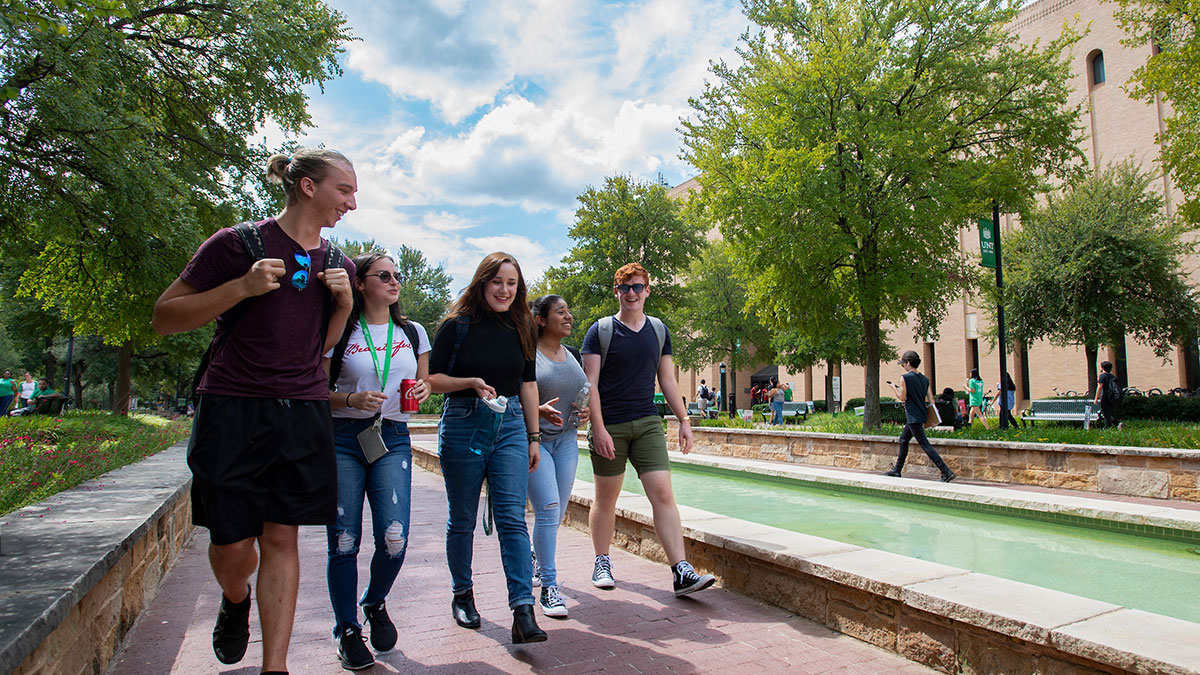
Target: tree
353, 249
424, 288
623, 222
1169, 27
714, 323
799, 351
1100, 261
122, 142
856, 138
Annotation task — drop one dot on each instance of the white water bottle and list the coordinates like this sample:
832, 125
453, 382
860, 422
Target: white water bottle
581, 401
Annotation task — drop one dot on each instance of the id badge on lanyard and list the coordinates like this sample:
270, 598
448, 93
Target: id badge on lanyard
371, 438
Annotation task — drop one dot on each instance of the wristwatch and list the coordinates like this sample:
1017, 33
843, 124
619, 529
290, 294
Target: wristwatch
535, 437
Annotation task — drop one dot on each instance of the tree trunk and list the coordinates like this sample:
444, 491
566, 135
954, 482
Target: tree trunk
79, 386
871, 415
48, 361
732, 392
1091, 369
124, 363
829, 385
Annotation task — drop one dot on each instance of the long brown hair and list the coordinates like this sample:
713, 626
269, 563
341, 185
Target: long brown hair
472, 303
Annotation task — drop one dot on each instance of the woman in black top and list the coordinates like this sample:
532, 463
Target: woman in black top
483, 354
914, 392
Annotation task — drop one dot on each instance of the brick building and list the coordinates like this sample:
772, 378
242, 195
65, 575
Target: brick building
1116, 127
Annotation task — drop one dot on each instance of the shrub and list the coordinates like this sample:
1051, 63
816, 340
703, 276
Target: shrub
432, 405
1164, 407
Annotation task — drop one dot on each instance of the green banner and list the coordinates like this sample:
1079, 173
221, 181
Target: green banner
987, 247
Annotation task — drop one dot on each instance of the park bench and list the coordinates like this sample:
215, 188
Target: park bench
1062, 410
693, 410
798, 410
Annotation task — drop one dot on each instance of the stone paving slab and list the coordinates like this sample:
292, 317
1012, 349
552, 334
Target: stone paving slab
639, 627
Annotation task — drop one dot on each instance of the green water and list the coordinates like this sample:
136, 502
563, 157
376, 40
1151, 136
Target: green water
1149, 574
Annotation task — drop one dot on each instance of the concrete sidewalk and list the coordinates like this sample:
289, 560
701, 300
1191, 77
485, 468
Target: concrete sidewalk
639, 627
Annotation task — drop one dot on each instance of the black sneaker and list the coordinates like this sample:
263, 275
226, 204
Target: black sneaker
232, 632
687, 581
352, 649
894, 472
949, 476
552, 603
383, 631
602, 573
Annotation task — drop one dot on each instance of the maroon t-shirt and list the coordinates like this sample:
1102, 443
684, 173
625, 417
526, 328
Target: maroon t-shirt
275, 348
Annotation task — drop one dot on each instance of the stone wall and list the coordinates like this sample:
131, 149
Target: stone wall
79, 568
1141, 472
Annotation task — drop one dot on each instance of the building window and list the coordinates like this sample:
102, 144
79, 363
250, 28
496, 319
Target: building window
1096, 68
972, 325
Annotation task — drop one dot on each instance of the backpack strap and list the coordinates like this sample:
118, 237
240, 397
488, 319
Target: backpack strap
410, 331
461, 324
575, 352
334, 257
252, 243
604, 331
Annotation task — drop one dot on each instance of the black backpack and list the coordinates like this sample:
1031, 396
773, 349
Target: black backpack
253, 244
1112, 392
704, 392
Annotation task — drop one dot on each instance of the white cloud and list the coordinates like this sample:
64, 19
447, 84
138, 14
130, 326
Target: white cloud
521, 103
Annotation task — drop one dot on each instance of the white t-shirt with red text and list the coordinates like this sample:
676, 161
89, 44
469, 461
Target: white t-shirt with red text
358, 368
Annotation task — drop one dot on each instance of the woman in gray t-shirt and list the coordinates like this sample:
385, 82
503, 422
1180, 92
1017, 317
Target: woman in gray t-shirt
560, 381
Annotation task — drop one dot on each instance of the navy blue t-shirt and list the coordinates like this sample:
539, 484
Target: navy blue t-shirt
916, 388
627, 376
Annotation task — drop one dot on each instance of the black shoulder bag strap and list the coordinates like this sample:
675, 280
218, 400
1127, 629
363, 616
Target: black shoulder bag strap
575, 352
253, 244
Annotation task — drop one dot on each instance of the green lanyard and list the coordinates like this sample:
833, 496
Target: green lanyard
387, 359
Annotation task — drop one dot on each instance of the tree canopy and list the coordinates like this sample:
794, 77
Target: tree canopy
1100, 261
1169, 27
714, 323
625, 221
856, 137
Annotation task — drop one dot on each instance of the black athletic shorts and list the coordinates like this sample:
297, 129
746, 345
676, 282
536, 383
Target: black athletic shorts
257, 460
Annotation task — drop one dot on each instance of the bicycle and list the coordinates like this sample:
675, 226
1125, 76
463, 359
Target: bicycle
1069, 392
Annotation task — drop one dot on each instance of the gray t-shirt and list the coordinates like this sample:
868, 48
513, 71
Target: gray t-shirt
562, 379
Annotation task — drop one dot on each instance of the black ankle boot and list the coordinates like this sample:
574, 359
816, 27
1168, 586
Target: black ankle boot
463, 607
525, 628
894, 471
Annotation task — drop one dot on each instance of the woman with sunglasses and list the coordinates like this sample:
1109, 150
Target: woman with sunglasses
561, 380
378, 350
483, 359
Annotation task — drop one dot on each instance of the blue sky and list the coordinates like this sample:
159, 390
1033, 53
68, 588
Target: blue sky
473, 126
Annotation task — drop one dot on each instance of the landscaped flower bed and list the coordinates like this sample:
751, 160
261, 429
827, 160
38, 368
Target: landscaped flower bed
44, 455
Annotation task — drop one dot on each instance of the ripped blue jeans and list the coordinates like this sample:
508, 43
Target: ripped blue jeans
387, 486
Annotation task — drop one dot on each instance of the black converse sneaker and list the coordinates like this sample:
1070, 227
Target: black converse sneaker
552, 603
232, 632
602, 573
687, 581
383, 631
352, 649
537, 570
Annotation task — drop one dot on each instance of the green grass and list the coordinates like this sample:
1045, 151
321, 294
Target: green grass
1135, 433
42, 455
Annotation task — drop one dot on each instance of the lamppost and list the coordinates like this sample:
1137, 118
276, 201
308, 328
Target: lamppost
724, 392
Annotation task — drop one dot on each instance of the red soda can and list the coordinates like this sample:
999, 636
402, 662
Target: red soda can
408, 396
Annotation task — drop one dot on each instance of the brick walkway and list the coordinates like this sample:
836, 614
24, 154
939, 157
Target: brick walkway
640, 627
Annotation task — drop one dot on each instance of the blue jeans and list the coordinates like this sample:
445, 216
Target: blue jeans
5, 401
549, 492
387, 485
776, 412
475, 443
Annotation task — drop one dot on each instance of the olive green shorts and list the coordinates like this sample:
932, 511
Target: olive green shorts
642, 441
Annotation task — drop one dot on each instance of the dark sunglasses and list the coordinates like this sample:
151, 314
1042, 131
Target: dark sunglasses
636, 288
300, 279
386, 277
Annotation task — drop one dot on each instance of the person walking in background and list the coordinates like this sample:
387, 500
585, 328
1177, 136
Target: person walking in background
379, 349
562, 384
622, 356
702, 395
775, 396
8, 391
947, 397
1106, 394
787, 392
26, 389
1009, 401
484, 359
913, 390
975, 398
261, 450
